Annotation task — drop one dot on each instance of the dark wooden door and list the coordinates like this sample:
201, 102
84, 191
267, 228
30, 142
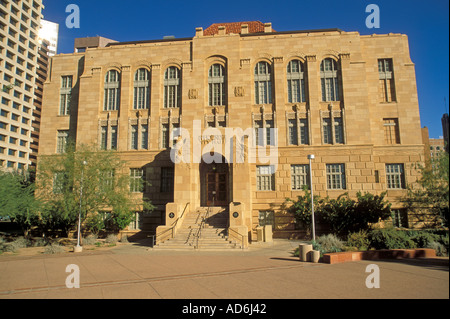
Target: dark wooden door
217, 189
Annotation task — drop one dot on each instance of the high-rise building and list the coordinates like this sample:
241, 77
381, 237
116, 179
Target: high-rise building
349, 99
22, 67
50, 31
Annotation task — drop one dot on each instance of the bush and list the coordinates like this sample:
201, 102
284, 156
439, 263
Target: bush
328, 244
390, 238
111, 239
359, 240
90, 240
54, 249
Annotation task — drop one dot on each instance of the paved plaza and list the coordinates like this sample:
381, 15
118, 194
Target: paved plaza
262, 272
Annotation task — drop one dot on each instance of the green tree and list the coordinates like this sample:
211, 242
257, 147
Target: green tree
97, 181
17, 199
429, 200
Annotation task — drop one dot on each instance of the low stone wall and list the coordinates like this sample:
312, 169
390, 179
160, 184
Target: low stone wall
334, 258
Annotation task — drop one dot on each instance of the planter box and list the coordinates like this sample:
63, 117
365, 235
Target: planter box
333, 258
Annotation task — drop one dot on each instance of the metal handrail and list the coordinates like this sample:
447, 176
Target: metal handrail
201, 226
174, 224
242, 236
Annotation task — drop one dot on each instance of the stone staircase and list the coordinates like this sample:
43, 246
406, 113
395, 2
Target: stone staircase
201, 230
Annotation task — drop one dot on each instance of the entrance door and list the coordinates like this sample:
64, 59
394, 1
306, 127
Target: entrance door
216, 189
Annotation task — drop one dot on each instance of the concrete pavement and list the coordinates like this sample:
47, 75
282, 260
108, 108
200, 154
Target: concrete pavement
262, 272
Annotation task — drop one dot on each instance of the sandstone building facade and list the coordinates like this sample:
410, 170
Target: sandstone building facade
350, 100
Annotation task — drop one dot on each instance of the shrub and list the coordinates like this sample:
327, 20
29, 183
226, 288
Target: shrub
111, 239
390, 238
359, 240
90, 240
54, 249
328, 244
441, 250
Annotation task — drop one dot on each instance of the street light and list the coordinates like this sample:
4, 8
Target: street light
78, 248
311, 157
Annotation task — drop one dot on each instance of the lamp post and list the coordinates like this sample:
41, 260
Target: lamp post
78, 248
311, 157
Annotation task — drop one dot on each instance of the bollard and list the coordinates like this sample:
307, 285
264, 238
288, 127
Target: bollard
303, 252
315, 256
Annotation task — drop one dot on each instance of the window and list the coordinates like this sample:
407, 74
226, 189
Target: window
296, 82
61, 142
104, 138
165, 134
333, 134
259, 133
292, 132
299, 176
265, 178
137, 222
167, 179
172, 87
386, 76
400, 218
270, 133
144, 136
329, 80
216, 83
114, 137
391, 131
112, 92
142, 89
134, 137
395, 176
266, 218
60, 182
263, 83
65, 94
107, 180
137, 180
335, 176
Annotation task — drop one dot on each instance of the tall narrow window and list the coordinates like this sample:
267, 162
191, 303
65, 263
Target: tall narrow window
338, 130
327, 135
165, 135
167, 179
259, 132
114, 133
144, 136
112, 91
172, 87
395, 176
304, 136
134, 137
292, 132
216, 83
270, 133
335, 176
386, 75
329, 76
142, 89
65, 94
62, 140
104, 138
296, 82
391, 131
263, 83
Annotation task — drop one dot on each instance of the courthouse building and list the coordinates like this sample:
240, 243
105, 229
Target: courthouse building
350, 100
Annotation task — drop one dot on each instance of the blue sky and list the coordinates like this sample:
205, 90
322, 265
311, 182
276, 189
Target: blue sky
425, 23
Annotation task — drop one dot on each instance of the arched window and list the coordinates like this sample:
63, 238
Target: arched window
329, 75
263, 83
216, 83
112, 91
142, 89
296, 82
172, 87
